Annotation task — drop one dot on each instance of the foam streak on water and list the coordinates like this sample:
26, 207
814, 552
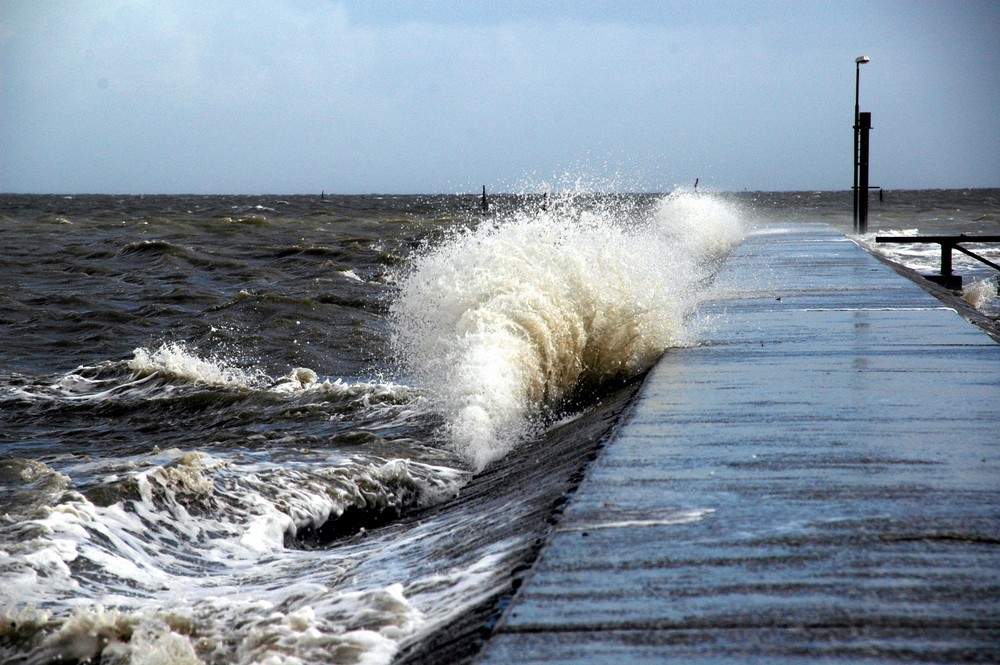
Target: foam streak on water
505, 320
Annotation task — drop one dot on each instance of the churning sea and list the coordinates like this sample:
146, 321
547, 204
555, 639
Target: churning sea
303, 429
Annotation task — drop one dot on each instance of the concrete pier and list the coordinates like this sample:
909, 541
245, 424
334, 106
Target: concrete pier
819, 481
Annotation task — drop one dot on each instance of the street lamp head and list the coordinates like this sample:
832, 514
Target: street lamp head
862, 59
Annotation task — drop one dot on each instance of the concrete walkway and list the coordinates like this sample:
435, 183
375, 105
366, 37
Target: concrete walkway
819, 482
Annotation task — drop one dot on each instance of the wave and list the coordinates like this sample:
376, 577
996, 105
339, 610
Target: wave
201, 551
193, 557
176, 361
153, 246
314, 251
163, 553
505, 321
201, 534
981, 294
198, 392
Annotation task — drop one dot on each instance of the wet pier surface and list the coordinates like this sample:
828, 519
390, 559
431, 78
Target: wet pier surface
820, 481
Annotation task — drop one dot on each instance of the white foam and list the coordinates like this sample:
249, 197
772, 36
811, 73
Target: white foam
981, 294
308, 625
297, 380
154, 374
502, 320
175, 360
361, 626
350, 274
205, 536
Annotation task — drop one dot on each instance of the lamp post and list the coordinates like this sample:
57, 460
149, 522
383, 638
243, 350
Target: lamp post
858, 61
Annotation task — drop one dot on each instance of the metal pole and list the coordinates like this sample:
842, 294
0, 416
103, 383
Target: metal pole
858, 61
865, 124
945, 259
857, 85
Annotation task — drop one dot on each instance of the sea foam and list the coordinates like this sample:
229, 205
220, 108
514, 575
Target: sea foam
505, 320
199, 535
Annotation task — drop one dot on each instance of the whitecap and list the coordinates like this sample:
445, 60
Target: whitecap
174, 360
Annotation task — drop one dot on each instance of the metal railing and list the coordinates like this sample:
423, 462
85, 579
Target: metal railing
947, 278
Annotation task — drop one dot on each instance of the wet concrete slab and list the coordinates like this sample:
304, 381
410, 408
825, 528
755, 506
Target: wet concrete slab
818, 481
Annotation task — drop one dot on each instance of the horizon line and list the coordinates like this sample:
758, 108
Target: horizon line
478, 194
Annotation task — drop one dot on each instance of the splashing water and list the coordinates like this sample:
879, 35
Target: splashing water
981, 294
506, 320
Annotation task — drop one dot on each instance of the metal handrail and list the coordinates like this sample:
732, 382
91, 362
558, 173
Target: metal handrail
947, 243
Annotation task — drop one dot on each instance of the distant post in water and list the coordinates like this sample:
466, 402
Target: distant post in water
486, 205
858, 61
862, 191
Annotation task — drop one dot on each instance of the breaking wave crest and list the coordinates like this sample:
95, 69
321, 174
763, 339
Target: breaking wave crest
174, 367
175, 361
504, 321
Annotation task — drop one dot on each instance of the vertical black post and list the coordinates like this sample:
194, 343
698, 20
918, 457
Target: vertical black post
865, 124
858, 61
857, 81
945, 259
486, 205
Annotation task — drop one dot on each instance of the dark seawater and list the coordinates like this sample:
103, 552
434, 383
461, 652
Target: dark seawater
239, 429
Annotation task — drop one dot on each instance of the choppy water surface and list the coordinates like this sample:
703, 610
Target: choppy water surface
284, 429
229, 423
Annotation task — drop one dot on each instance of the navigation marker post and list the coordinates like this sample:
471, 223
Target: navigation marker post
861, 193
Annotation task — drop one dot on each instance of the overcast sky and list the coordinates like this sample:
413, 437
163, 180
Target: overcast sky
426, 97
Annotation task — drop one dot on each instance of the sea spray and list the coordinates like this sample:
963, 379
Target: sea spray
981, 294
504, 320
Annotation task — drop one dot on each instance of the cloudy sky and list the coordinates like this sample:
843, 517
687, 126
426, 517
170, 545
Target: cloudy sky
423, 97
